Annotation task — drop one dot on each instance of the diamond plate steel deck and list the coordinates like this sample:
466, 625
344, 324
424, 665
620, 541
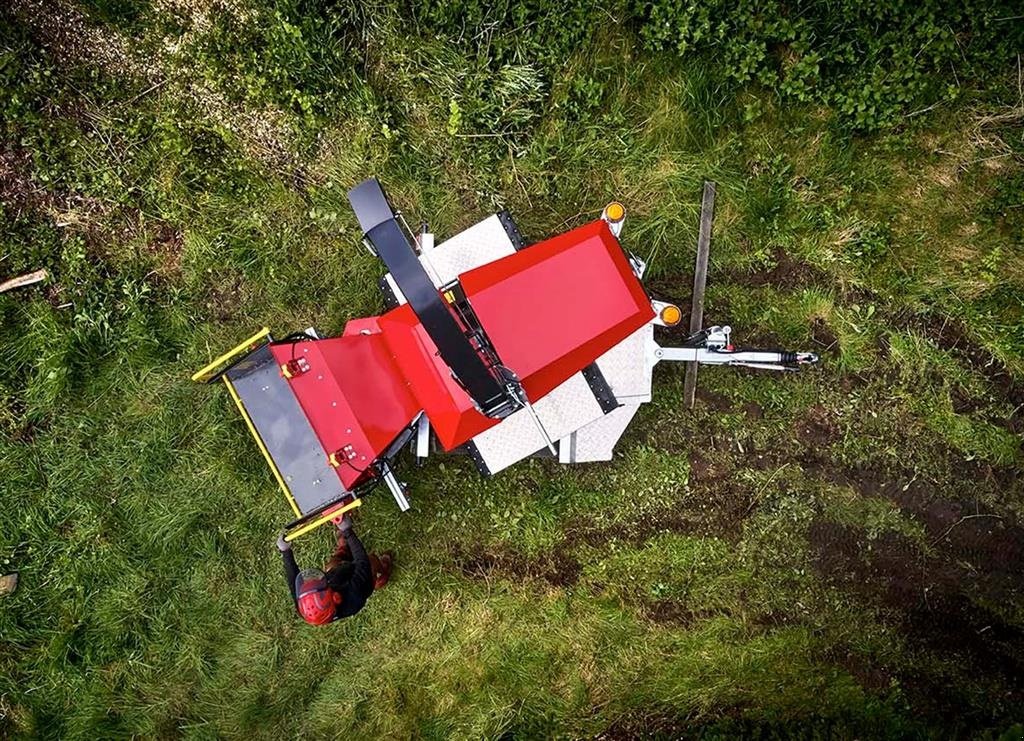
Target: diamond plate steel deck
484, 242
478, 245
628, 367
567, 408
596, 441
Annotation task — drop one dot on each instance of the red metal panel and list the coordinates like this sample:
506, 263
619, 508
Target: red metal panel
449, 408
361, 325
353, 395
552, 309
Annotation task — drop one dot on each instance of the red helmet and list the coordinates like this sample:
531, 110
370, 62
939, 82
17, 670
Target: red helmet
317, 601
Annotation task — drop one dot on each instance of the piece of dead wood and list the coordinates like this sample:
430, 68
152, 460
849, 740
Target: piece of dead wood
8, 583
24, 280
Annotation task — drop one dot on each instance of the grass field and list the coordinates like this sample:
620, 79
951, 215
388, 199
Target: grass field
839, 552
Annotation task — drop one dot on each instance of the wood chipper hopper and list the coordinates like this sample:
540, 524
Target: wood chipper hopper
489, 347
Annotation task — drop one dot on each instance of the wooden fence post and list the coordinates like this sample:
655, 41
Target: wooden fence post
700, 278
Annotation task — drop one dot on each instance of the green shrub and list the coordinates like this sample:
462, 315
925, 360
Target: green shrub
299, 55
871, 61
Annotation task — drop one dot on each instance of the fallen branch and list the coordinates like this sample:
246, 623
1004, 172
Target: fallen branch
23, 280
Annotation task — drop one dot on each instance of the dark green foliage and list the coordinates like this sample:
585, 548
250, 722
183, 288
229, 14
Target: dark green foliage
299, 55
871, 61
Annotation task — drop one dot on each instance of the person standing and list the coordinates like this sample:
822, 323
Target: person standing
344, 585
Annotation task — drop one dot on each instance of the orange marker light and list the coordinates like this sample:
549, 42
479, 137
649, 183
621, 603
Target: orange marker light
615, 212
671, 315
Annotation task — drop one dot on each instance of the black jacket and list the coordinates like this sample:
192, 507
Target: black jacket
352, 580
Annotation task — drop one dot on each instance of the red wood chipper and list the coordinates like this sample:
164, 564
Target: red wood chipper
489, 346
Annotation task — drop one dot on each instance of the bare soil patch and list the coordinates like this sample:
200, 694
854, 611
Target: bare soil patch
988, 546
165, 245
675, 614
948, 594
871, 677
19, 193
949, 335
716, 510
928, 597
225, 296
70, 37
651, 725
669, 612
753, 410
728, 722
787, 274
557, 568
817, 429
101, 225
714, 400
823, 336
67, 35
702, 467
962, 403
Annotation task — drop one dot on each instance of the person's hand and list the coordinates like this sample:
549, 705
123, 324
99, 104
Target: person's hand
282, 544
345, 526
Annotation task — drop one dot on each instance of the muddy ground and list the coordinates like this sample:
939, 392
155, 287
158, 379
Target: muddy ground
949, 596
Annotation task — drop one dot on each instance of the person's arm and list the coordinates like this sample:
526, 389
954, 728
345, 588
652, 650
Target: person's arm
291, 569
362, 574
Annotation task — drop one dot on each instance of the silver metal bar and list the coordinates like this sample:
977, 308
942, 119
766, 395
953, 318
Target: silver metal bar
394, 487
536, 420
675, 354
751, 358
422, 437
766, 366
412, 234
712, 357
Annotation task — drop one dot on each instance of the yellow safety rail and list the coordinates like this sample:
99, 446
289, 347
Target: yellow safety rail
322, 519
205, 373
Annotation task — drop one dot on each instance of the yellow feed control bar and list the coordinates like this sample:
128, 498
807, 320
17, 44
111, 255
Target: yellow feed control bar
262, 447
333, 514
206, 372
